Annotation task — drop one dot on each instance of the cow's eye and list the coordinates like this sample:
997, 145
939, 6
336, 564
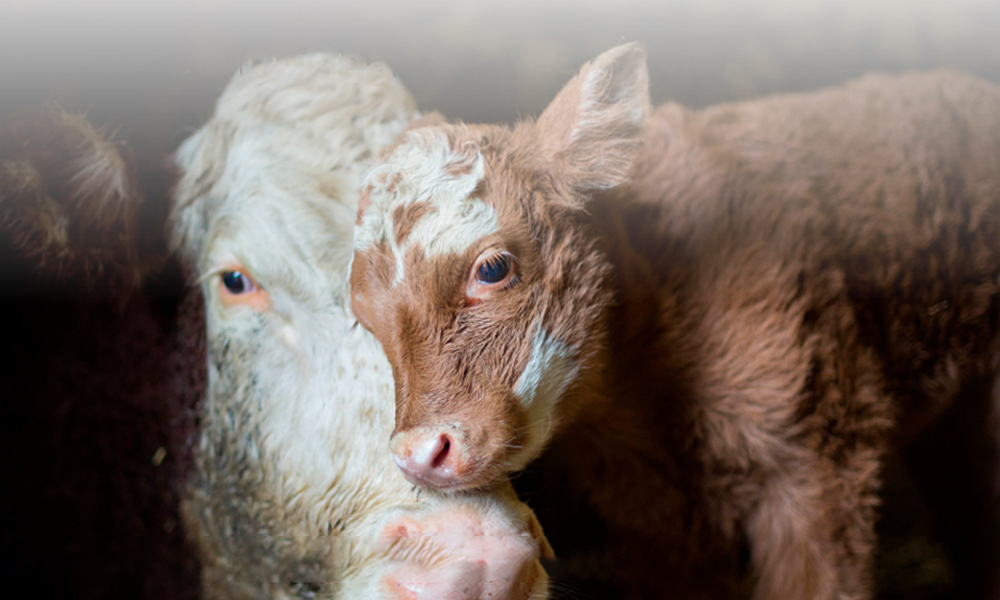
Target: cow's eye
237, 288
237, 283
494, 269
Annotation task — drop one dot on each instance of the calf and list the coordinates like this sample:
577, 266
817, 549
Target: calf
718, 321
293, 494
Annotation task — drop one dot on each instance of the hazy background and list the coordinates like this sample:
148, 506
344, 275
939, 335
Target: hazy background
152, 69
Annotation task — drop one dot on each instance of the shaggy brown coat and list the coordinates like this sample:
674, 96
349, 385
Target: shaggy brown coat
783, 290
809, 280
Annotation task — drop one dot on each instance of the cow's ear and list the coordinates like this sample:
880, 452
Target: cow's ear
593, 129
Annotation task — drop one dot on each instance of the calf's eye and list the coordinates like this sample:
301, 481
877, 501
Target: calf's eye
237, 283
494, 270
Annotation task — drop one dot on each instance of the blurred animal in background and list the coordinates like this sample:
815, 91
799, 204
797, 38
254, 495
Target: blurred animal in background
293, 494
105, 365
74, 211
718, 321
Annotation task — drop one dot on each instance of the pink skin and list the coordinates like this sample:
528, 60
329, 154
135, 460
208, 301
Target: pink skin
427, 456
474, 558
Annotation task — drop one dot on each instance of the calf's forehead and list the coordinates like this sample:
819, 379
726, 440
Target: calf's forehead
426, 196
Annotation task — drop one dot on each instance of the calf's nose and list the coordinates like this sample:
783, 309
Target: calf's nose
430, 456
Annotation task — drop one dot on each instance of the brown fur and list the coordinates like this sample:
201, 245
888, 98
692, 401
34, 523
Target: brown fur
785, 289
406, 216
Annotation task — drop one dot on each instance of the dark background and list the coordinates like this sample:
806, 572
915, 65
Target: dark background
151, 72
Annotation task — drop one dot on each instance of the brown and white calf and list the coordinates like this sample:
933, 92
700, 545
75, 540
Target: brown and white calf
718, 321
294, 494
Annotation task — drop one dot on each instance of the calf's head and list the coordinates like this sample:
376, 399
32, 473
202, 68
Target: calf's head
474, 268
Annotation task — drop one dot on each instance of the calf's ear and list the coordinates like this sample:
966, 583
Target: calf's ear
593, 129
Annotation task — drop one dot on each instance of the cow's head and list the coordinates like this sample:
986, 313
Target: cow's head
475, 269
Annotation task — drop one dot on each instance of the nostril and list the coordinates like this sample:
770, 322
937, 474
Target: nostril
427, 452
444, 443
433, 457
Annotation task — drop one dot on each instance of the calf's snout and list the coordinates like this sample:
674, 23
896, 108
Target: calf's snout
455, 449
432, 456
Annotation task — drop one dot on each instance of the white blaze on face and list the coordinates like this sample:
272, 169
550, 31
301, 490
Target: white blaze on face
549, 371
424, 168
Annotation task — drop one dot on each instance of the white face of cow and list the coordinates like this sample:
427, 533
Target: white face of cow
475, 268
295, 493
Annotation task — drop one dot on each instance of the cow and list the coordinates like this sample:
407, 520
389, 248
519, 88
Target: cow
293, 494
717, 322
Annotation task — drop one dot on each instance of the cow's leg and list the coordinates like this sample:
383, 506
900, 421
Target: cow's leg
812, 532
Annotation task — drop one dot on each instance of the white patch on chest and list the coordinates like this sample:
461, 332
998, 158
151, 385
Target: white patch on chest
424, 168
549, 371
